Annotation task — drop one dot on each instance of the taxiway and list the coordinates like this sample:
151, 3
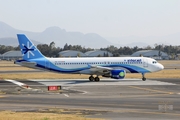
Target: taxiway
109, 99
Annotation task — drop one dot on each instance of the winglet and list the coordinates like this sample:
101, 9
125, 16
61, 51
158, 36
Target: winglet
28, 49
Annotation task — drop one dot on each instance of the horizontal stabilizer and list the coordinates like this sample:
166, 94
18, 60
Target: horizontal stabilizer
27, 64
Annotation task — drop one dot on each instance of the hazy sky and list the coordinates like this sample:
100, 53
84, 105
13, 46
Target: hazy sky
108, 18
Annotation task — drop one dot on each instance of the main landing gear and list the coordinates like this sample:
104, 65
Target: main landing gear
96, 79
143, 77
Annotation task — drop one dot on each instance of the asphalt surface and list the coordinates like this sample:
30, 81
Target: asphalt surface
109, 99
20, 71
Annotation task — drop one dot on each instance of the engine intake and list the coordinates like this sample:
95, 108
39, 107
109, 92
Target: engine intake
118, 74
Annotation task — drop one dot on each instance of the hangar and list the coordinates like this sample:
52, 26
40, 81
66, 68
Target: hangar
14, 55
156, 54
98, 53
11, 55
71, 53
94, 53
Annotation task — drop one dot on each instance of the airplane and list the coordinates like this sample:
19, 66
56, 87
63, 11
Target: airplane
111, 67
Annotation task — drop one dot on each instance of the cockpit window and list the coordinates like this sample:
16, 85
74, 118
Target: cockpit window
154, 62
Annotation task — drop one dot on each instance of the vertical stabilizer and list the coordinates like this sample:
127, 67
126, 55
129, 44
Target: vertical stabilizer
28, 49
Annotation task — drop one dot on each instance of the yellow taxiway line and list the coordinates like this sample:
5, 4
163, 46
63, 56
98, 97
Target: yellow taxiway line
152, 90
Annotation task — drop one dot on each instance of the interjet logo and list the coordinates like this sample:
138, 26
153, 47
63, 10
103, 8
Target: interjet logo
28, 50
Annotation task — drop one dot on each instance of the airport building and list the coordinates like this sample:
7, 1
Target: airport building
156, 54
14, 55
11, 55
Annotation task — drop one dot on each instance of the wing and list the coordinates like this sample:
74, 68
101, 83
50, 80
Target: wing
99, 70
108, 72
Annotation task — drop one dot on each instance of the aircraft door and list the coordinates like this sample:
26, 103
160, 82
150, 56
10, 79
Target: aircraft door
145, 62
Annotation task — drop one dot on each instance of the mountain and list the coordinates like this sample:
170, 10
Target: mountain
172, 39
56, 34
139, 44
13, 41
92, 40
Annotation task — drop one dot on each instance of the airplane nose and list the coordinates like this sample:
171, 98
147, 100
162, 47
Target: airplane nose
161, 66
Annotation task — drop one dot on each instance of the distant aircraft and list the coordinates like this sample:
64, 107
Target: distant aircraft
112, 67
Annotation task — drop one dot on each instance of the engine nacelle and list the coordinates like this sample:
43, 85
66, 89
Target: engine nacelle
118, 74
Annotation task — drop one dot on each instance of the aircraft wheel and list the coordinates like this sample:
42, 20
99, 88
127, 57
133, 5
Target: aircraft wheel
97, 79
144, 79
91, 78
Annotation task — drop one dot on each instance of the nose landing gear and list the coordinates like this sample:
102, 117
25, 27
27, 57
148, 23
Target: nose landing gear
143, 77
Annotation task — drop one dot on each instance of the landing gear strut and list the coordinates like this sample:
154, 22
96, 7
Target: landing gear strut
96, 79
143, 77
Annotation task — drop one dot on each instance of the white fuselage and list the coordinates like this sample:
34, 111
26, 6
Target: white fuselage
84, 65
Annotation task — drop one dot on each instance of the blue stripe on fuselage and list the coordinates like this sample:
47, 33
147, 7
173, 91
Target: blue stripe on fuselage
131, 68
41, 63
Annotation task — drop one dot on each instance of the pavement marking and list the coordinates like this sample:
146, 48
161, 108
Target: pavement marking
82, 91
135, 96
152, 90
107, 104
15, 82
19, 83
66, 95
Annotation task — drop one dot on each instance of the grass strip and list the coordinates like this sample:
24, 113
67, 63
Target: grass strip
8, 115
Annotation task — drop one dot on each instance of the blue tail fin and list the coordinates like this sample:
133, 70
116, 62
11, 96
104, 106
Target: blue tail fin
28, 49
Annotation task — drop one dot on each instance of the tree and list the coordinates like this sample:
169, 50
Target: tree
65, 47
44, 48
78, 55
52, 45
99, 55
148, 47
140, 55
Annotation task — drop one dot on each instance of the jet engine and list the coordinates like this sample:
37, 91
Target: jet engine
116, 74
